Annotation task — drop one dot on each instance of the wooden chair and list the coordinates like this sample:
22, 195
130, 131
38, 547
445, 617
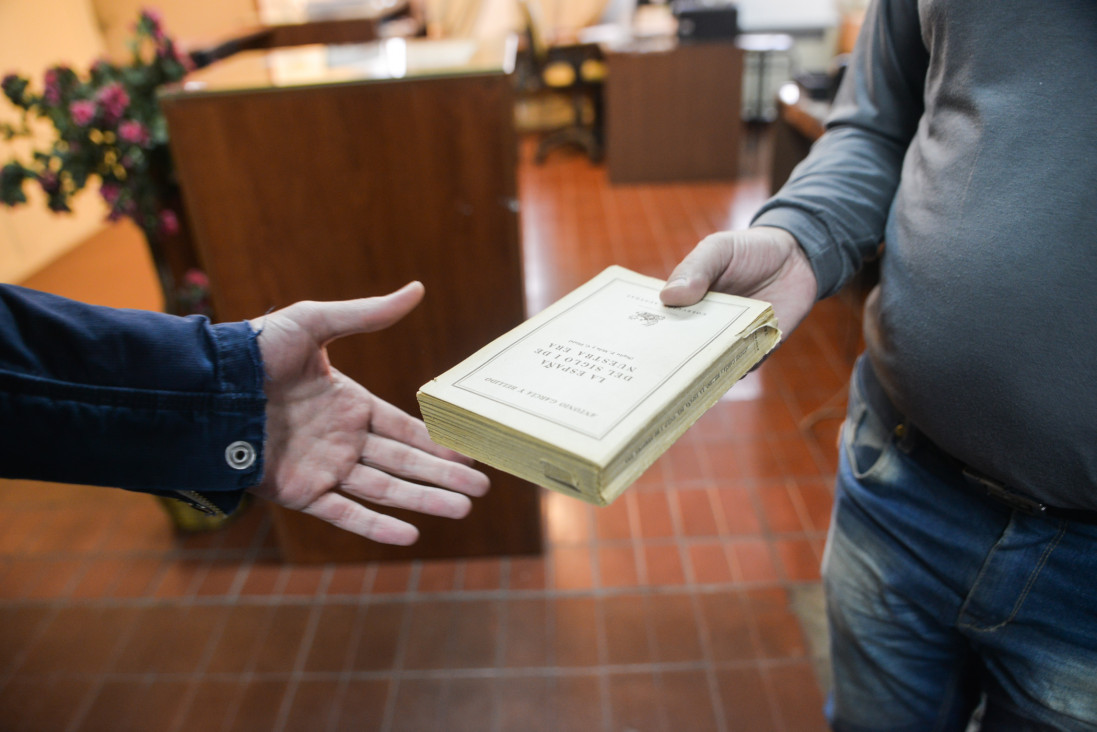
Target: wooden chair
575, 69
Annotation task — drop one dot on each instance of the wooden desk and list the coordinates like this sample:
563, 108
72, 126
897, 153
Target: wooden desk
333, 173
363, 26
673, 111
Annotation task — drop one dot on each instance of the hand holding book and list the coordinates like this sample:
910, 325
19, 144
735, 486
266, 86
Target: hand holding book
762, 262
583, 397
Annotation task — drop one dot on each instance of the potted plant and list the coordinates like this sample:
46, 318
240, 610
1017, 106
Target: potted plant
107, 126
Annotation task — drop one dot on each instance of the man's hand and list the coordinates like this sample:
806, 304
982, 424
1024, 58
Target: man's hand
330, 441
764, 262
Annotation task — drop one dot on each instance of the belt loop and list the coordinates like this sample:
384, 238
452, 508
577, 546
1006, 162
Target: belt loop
906, 435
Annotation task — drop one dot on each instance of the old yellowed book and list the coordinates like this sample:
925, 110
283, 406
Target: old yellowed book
584, 396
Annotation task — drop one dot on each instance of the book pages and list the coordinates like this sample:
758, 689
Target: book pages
596, 380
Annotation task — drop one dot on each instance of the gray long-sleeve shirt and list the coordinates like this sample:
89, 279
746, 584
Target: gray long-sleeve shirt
965, 138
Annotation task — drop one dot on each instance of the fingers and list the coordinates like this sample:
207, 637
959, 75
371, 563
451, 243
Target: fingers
380, 479
327, 321
393, 422
379, 487
695, 274
403, 461
384, 489
351, 516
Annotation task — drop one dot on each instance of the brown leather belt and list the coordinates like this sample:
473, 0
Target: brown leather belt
911, 439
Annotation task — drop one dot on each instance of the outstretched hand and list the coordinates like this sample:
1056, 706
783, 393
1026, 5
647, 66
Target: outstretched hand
331, 443
764, 263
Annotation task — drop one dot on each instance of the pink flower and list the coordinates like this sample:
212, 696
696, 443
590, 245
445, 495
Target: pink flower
53, 89
101, 66
83, 112
185, 60
110, 192
196, 278
134, 132
169, 51
169, 222
14, 88
155, 21
115, 101
49, 181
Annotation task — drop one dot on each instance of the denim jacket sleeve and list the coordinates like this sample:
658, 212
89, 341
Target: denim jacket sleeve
129, 399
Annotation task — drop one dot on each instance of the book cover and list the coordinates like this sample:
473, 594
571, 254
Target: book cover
585, 395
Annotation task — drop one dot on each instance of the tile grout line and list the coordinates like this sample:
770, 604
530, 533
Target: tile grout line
249, 674
35, 636
726, 537
767, 682
709, 662
303, 650
436, 673
200, 670
401, 651
500, 656
273, 599
603, 674
653, 652
347, 671
85, 706
231, 595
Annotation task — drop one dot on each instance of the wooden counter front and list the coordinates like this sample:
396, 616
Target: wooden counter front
673, 112
343, 186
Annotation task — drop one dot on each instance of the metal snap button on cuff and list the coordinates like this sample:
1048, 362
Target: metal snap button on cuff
240, 455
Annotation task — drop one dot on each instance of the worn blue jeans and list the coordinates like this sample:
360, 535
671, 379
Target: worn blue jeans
939, 598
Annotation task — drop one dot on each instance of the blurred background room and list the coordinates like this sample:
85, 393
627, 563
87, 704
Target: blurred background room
503, 152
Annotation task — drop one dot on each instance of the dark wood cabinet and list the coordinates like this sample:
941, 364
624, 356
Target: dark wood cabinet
673, 111
333, 176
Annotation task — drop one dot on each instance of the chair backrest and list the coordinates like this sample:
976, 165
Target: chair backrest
452, 18
530, 15
552, 17
570, 16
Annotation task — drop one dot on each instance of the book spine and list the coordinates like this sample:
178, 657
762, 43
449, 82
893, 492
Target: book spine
702, 395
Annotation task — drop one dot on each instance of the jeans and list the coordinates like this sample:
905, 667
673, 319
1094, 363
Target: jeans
939, 599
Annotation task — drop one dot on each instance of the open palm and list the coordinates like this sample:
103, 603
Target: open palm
332, 444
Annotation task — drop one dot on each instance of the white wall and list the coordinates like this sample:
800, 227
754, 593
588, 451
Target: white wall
191, 22
786, 15
813, 25
33, 35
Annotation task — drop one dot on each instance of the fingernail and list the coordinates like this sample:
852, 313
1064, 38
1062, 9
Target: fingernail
676, 282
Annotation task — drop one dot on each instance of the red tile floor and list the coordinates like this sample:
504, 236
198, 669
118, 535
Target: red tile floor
672, 609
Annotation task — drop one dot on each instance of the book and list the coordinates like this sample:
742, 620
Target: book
584, 396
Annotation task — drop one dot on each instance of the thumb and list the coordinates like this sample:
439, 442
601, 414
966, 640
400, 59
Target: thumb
698, 271
328, 321
683, 287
